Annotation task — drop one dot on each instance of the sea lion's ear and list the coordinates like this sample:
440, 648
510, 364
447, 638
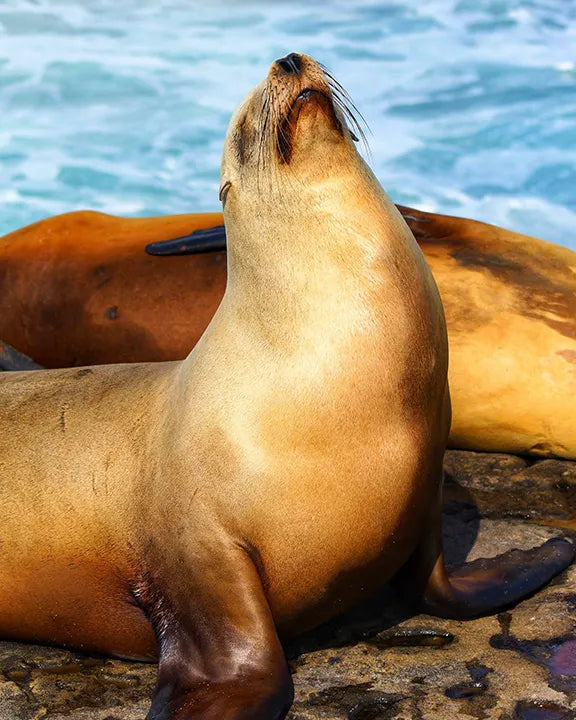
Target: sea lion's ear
224, 191
200, 241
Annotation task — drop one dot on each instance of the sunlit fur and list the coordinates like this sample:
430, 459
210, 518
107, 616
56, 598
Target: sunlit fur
317, 395
332, 334
287, 468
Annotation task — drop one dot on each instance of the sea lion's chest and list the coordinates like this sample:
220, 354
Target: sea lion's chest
314, 458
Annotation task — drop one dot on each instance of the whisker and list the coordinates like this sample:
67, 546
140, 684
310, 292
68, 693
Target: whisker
348, 113
263, 122
336, 85
284, 143
276, 115
286, 122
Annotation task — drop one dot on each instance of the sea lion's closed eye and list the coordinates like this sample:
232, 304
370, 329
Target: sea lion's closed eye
224, 191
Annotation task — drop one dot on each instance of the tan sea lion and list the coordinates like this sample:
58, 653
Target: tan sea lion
287, 468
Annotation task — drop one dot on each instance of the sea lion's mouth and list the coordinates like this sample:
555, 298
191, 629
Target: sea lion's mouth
288, 126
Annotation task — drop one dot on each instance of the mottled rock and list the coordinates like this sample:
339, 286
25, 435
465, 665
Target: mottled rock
508, 486
379, 662
58, 683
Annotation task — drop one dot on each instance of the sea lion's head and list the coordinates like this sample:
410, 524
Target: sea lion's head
289, 129
293, 181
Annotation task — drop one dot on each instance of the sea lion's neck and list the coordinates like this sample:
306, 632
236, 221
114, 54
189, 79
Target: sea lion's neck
337, 284
323, 258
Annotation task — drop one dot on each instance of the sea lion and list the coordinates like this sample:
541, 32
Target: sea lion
288, 467
510, 303
78, 290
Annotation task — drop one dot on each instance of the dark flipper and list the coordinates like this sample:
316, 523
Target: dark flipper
482, 586
488, 584
11, 359
219, 655
200, 241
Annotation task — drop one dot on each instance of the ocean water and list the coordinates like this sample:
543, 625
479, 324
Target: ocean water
122, 106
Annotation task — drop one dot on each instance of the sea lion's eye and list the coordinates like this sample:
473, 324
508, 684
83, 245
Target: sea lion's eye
224, 191
353, 136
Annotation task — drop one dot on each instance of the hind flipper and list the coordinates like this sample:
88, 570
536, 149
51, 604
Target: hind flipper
488, 584
485, 585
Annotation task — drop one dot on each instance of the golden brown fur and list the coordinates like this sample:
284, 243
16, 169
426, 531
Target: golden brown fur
79, 289
510, 304
218, 500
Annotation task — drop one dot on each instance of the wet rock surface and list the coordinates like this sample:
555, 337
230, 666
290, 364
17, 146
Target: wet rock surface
380, 662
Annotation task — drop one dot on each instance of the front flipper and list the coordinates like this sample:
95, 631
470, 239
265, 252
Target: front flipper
220, 656
200, 241
485, 585
12, 359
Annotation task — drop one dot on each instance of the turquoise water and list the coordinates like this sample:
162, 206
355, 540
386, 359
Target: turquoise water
122, 106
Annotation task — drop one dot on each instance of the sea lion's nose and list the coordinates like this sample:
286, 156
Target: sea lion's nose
291, 64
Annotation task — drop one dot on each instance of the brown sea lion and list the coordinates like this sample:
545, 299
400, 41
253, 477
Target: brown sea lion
289, 466
78, 289
510, 303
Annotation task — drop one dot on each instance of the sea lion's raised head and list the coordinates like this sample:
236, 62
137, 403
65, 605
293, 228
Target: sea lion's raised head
292, 181
293, 124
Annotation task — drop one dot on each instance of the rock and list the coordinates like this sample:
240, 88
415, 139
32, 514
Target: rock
378, 662
63, 684
509, 486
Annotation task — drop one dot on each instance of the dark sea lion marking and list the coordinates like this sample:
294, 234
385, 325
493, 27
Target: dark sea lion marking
540, 297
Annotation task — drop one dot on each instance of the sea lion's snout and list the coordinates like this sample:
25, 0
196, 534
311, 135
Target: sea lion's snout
298, 118
291, 64
295, 71
309, 105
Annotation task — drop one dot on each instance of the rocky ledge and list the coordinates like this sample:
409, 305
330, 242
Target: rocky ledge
378, 663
